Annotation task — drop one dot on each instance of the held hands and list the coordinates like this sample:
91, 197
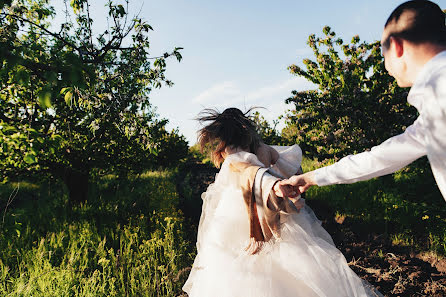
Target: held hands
295, 185
284, 190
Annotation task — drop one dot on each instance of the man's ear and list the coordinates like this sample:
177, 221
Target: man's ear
398, 44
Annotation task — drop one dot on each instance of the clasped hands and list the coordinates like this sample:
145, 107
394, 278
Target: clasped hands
294, 186
291, 187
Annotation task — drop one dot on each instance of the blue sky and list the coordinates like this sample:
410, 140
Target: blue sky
236, 53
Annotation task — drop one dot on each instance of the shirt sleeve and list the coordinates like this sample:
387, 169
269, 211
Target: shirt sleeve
388, 157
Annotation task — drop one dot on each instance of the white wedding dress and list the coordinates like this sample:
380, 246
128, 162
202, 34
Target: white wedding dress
302, 262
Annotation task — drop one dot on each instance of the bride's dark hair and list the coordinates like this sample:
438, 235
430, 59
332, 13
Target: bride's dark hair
231, 128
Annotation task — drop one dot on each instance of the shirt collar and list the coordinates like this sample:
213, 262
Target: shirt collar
417, 90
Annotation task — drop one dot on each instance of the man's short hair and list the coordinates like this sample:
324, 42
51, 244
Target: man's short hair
417, 21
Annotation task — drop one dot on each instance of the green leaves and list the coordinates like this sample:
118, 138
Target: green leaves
76, 100
21, 76
30, 158
153, 151
177, 53
116, 10
120, 10
68, 98
44, 97
3, 3
68, 95
355, 104
77, 5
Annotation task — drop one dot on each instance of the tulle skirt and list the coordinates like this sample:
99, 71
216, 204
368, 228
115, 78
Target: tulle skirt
303, 261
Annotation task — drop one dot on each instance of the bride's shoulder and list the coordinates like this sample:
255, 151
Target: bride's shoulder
291, 153
243, 157
288, 149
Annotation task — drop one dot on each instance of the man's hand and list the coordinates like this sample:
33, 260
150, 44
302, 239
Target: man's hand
299, 183
284, 190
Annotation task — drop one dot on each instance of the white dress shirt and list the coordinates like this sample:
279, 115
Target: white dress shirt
426, 136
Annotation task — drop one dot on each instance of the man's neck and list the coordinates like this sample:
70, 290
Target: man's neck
419, 55
427, 51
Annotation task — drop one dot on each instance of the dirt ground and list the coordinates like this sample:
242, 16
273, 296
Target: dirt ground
393, 270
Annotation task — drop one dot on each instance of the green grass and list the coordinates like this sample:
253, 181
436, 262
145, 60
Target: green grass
130, 239
406, 206
127, 241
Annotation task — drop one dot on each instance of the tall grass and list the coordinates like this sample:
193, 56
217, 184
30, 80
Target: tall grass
406, 206
129, 240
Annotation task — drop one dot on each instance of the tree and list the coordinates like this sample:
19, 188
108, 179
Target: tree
73, 103
356, 105
268, 133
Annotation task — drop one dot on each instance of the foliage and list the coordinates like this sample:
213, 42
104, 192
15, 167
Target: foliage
267, 132
195, 153
72, 101
356, 105
129, 241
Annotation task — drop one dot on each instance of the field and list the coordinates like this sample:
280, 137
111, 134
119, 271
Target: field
136, 237
127, 241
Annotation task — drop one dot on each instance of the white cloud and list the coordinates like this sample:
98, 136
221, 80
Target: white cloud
277, 91
305, 51
230, 93
217, 93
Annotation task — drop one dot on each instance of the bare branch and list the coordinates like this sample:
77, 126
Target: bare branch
55, 35
90, 31
67, 14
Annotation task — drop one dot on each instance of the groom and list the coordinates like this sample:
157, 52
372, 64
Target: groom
414, 48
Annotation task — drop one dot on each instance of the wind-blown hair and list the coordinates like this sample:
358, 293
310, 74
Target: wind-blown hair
231, 128
417, 21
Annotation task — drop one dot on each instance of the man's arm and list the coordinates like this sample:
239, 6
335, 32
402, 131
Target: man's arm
388, 157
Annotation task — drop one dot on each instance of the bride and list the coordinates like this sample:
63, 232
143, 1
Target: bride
252, 242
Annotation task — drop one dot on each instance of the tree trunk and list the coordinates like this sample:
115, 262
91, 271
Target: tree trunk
77, 184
